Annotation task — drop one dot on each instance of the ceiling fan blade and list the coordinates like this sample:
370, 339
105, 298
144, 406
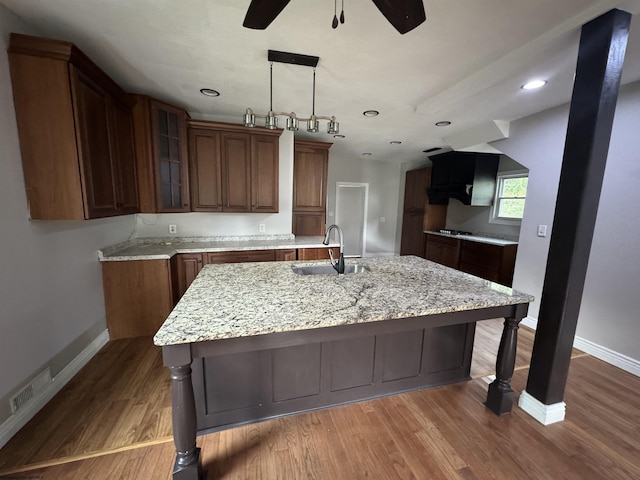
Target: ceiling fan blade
404, 15
262, 12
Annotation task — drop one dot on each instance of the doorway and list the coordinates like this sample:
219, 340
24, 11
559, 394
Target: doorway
351, 214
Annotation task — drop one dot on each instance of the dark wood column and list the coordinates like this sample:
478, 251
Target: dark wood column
600, 57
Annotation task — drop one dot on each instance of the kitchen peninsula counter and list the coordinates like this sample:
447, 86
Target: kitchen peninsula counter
263, 341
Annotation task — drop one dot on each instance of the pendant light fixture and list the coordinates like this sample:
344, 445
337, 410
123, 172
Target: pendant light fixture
271, 119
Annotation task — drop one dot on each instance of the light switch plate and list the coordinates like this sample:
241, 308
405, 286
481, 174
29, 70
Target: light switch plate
542, 230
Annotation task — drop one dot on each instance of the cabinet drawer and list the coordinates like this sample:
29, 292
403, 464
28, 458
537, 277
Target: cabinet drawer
481, 254
443, 250
240, 257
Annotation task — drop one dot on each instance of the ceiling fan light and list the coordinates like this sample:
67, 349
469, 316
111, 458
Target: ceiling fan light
249, 119
292, 123
271, 121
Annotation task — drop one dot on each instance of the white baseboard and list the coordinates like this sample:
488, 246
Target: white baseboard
15, 422
605, 354
545, 414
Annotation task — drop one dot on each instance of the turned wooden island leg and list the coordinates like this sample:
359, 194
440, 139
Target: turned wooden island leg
500, 395
188, 464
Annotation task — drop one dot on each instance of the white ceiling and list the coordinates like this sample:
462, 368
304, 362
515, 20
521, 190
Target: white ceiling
465, 64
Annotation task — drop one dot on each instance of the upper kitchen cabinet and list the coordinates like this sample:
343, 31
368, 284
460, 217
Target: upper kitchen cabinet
469, 177
310, 166
161, 151
233, 168
76, 132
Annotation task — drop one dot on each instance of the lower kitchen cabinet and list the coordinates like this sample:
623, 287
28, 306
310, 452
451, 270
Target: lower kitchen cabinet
491, 262
317, 253
138, 296
443, 250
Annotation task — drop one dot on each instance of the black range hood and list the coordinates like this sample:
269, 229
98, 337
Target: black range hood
469, 177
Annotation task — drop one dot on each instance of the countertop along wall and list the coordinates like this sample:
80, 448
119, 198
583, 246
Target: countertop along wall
50, 280
608, 324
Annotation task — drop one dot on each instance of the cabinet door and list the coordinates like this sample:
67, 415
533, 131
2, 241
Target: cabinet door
236, 173
286, 255
169, 130
310, 179
124, 160
412, 240
308, 224
415, 189
205, 170
91, 111
189, 265
443, 250
264, 173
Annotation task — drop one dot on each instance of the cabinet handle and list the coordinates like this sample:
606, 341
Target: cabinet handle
199, 261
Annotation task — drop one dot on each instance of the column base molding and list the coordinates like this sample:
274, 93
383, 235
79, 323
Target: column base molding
545, 414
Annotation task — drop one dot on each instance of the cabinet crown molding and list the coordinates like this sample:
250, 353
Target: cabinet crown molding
232, 127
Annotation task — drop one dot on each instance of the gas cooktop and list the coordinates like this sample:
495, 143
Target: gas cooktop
454, 232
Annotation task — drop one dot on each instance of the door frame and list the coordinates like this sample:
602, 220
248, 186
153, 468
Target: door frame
366, 208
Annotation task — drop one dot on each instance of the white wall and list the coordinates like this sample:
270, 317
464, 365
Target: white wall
51, 301
610, 306
213, 224
384, 181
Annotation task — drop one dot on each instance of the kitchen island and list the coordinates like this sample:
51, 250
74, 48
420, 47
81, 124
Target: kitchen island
264, 341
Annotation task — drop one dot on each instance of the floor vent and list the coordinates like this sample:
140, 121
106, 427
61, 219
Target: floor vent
24, 396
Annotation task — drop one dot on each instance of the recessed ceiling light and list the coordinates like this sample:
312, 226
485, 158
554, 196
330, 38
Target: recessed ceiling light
338, 136
395, 142
366, 154
443, 123
371, 113
533, 84
209, 92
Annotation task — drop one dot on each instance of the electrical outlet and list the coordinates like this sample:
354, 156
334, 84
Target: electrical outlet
382, 219
262, 228
542, 230
173, 229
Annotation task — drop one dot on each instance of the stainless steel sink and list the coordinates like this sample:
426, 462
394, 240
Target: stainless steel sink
328, 269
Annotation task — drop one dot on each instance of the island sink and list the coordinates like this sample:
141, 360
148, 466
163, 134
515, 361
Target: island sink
328, 269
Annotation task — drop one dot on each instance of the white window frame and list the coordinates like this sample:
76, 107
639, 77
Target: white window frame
493, 218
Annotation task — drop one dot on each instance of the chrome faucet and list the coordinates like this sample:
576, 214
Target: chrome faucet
338, 265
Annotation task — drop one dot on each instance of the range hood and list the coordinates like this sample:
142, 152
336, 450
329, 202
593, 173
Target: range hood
469, 177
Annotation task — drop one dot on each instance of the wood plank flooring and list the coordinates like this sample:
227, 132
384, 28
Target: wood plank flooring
441, 433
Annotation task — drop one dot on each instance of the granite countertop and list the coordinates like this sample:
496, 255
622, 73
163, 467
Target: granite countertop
476, 238
245, 299
167, 247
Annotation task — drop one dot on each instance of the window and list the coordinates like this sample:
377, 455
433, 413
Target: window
511, 193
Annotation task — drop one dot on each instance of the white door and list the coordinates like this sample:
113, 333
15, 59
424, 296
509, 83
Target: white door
351, 214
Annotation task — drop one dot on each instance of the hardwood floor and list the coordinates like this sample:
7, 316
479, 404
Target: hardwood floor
441, 433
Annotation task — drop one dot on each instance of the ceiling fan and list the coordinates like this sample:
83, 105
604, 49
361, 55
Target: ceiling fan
404, 15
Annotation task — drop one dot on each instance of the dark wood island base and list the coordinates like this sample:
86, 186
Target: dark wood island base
252, 378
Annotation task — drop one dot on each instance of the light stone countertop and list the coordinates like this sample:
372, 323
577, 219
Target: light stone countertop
167, 247
245, 299
475, 238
